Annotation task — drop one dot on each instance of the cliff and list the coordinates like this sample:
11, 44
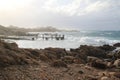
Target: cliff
9, 31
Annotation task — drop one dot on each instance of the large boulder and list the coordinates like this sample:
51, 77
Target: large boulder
117, 54
107, 47
10, 54
58, 52
114, 55
110, 54
92, 51
44, 58
116, 44
11, 46
34, 52
99, 64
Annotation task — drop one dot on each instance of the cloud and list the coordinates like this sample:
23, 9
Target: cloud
76, 7
82, 14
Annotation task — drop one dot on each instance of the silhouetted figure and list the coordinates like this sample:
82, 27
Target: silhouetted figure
46, 38
43, 36
62, 38
33, 38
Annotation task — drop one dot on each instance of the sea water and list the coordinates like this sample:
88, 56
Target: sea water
73, 40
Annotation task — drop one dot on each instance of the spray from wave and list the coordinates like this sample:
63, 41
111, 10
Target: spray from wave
75, 39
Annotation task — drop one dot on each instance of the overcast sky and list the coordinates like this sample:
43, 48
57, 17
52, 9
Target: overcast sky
79, 14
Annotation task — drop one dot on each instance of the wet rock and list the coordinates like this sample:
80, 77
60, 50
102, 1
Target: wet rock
59, 63
117, 45
92, 51
99, 64
107, 47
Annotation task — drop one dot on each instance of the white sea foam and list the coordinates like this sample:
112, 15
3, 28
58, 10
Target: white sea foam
72, 40
72, 43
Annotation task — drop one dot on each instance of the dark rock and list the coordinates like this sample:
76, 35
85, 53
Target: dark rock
59, 63
81, 55
117, 54
10, 54
68, 59
80, 72
44, 58
11, 46
117, 74
51, 56
107, 47
114, 55
92, 51
34, 52
58, 52
117, 45
99, 64
110, 55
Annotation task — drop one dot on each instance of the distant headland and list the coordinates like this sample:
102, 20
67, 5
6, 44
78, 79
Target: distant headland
14, 30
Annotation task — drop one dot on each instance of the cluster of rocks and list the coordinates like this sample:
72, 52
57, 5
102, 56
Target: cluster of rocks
102, 58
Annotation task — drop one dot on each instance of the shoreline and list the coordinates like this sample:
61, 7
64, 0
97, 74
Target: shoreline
84, 62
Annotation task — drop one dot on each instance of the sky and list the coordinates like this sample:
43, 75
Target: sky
71, 14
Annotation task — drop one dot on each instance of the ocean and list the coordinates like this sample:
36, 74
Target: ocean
73, 40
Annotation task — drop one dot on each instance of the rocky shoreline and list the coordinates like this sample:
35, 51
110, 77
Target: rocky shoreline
83, 63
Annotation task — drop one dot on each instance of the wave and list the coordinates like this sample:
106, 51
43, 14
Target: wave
92, 40
73, 40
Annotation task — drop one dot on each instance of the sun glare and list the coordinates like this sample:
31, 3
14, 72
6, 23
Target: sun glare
13, 4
